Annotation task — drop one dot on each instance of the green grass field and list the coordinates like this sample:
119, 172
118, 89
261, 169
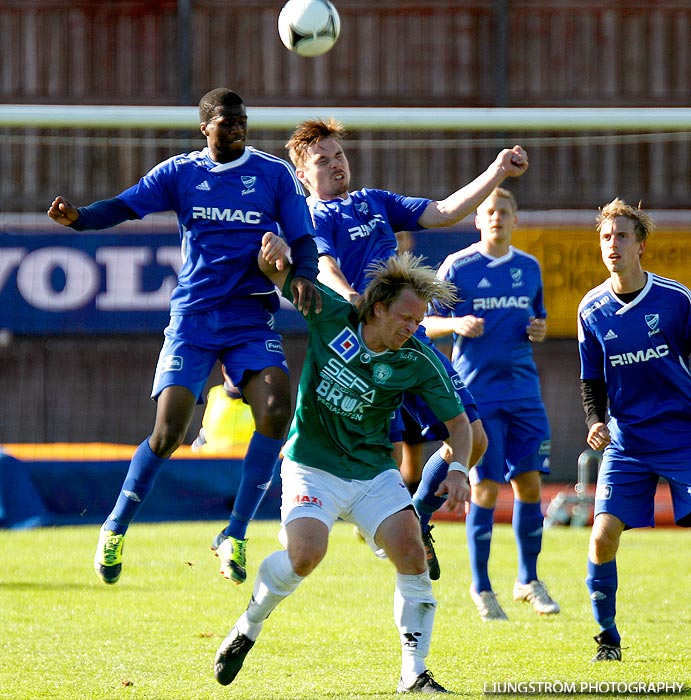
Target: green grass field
153, 636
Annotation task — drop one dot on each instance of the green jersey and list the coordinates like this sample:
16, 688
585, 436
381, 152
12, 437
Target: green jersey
348, 394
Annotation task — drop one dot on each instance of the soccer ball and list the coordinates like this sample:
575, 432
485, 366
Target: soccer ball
309, 27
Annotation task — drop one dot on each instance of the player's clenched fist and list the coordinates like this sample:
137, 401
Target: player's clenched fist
63, 212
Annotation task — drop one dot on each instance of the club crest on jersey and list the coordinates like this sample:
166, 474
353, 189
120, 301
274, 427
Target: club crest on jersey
652, 320
362, 207
248, 181
345, 345
381, 372
516, 276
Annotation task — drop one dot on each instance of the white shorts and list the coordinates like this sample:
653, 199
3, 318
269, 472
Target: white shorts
312, 493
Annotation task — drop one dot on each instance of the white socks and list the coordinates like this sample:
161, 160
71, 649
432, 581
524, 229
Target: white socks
275, 581
414, 608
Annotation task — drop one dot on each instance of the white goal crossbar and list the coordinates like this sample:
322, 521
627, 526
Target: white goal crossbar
358, 118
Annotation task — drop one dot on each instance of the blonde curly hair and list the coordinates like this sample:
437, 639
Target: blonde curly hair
388, 278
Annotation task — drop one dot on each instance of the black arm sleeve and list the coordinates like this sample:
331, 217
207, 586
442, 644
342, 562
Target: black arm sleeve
594, 397
103, 214
304, 253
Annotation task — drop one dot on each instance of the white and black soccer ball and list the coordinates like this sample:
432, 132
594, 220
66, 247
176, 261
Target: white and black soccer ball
309, 27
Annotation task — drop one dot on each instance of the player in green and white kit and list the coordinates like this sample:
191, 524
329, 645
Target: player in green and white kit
338, 457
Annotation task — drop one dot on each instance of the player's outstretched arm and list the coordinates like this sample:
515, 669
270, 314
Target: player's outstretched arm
511, 162
63, 212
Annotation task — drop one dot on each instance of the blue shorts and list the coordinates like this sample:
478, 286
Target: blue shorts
626, 485
241, 338
518, 440
418, 422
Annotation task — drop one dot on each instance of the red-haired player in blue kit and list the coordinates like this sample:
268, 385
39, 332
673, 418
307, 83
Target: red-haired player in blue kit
357, 228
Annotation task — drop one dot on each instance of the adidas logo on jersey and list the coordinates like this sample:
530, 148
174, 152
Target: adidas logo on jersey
611, 335
484, 283
204, 186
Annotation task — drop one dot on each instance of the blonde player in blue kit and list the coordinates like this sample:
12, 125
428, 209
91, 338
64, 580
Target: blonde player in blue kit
338, 460
500, 315
226, 197
634, 337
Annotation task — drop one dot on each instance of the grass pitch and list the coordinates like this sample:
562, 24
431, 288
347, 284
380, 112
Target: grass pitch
153, 636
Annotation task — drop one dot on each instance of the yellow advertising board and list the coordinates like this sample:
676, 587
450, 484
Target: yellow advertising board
572, 265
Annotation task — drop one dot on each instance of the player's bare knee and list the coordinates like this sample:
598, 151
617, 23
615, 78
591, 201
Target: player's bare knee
304, 558
165, 440
408, 559
527, 487
604, 539
485, 493
273, 418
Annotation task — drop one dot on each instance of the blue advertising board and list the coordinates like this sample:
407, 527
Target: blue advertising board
102, 282
56, 281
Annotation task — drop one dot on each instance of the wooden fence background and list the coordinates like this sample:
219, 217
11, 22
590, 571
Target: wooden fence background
391, 53
465, 53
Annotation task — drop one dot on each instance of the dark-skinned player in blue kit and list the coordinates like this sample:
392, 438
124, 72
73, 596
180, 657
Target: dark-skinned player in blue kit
226, 197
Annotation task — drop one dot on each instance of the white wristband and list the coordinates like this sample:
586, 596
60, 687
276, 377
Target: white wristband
458, 467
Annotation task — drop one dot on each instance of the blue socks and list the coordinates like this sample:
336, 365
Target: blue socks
424, 500
602, 586
527, 521
478, 527
138, 483
257, 471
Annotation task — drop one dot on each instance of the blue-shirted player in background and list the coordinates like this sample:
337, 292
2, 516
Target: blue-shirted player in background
634, 336
500, 315
226, 197
357, 228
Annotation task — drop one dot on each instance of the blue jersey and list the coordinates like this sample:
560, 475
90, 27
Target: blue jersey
223, 211
506, 292
641, 350
361, 229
